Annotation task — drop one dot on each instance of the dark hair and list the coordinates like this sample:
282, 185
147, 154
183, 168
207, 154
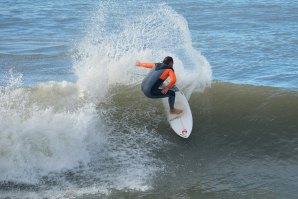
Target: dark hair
167, 60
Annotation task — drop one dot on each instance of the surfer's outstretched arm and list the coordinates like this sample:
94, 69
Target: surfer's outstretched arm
145, 64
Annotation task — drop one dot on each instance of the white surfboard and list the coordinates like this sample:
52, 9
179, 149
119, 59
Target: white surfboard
182, 123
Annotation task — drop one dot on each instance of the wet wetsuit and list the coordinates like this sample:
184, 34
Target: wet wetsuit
151, 85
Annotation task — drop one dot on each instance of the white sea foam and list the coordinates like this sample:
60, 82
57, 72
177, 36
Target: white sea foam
36, 136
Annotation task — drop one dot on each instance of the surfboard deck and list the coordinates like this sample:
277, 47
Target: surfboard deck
181, 124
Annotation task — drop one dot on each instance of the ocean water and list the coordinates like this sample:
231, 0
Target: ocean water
74, 123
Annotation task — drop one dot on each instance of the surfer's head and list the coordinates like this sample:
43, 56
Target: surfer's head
168, 60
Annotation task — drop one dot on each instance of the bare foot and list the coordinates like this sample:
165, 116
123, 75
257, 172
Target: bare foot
176, 111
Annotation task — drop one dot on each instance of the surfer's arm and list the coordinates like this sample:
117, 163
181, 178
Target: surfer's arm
166, 74
173, 79
145, 64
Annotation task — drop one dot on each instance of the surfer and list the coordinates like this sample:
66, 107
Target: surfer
155, 78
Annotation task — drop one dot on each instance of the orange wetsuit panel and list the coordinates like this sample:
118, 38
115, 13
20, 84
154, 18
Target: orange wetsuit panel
166, 74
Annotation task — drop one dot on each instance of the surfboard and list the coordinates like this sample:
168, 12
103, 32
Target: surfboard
181, 124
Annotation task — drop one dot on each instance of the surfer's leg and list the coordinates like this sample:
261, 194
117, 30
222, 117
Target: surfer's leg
171, 100
171, 94
157, 94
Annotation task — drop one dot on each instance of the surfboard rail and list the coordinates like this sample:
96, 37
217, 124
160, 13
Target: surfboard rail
181, 124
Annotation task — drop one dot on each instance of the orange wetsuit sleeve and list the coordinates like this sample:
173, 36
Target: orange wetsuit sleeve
145, 64
166, 74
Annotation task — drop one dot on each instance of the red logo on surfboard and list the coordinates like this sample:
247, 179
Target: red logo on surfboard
184, 132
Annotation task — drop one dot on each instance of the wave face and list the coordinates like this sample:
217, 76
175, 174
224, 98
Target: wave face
55, 143
242, 144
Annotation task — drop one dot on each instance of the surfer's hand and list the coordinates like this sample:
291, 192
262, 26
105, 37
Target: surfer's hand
137, 63
165, 90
